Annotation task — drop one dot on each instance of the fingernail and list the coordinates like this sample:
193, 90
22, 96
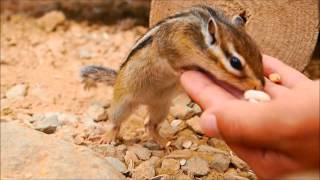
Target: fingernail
209, 125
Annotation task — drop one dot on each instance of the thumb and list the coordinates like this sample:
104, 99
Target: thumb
239, 122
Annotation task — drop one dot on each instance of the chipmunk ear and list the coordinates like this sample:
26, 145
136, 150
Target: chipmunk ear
213, 30
240, 20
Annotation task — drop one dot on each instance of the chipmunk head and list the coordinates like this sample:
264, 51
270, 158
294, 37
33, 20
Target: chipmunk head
223, 49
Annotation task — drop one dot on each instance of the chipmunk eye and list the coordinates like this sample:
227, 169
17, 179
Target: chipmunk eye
235, 63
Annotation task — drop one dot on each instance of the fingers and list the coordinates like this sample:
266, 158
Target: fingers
274, 90
259, 160
289, 76
203, 90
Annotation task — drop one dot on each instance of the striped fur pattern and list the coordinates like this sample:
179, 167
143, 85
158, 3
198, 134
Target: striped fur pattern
200, 38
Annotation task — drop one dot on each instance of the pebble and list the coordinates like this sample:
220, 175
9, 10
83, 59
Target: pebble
210, 149
239, 163
142, 152
171, 164
46, 123
194, 124
185, 154
51, 20
151, 145
131, 157
187, 144
197, 166
220, 162
197, 109
145, 170
181, 112
97, 112
177, 125
183, 162
117, 164
182, 100
17, 92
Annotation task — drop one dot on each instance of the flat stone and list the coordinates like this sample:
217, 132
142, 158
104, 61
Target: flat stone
117, 164
210, 149
181, 112
131, 156
29, 153
170, 164
182, 100
197, 166
145, 170
220, 162
47, 123
185, 154
194, 123
142, 152
17, 92
239, 163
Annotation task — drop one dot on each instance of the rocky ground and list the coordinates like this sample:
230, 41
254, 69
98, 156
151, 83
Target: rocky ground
51, 126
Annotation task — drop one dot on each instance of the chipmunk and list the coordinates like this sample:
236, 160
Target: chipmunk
200, 38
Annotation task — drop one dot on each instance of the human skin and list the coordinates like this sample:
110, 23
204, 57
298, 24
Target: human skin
276, 137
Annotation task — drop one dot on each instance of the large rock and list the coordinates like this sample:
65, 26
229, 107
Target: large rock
26, 153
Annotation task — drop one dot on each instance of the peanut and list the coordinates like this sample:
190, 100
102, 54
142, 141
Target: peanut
275, 77
256, 96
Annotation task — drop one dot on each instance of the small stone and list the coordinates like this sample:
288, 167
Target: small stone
210, 149
194, 123
131, 157
145, 170
17, 92
158, 153
117, 164
142, 152
182, 100
94, 128
183, 162
177, 125
231, 174
85, 54
151, 145
197, 166
51, 20
45, 123
187, 144
97, 112
185, 154
239, 163
220, 162
181, 112
197, 109
170, 164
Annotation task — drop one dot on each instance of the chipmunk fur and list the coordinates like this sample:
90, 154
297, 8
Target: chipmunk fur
200, 38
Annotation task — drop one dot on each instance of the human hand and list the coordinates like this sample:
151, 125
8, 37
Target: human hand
276, 137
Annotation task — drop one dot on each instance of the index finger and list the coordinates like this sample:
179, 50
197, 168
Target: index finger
203, 90
289, 76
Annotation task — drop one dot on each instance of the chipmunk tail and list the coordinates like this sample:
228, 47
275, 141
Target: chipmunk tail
93, 74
